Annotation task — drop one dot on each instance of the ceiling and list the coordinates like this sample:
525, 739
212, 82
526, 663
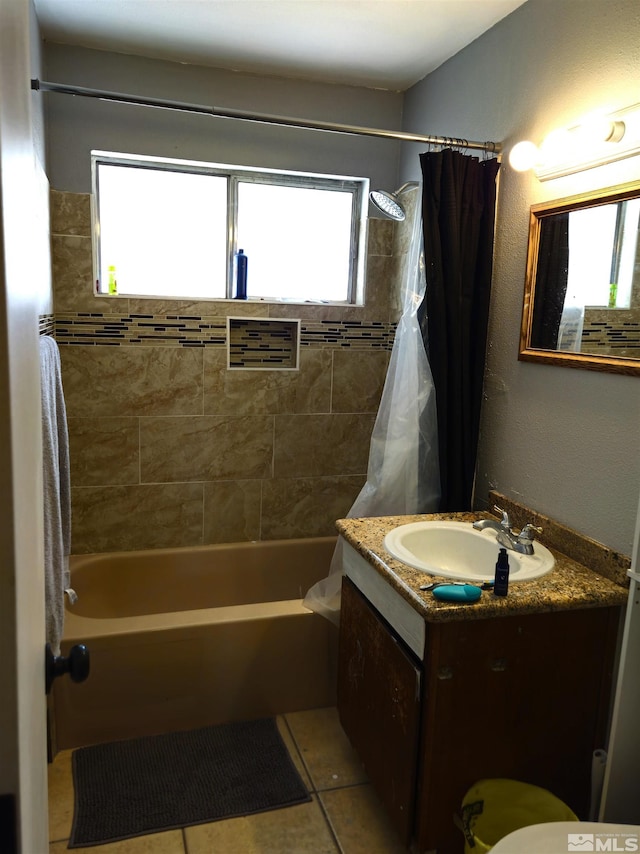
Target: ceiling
387, 44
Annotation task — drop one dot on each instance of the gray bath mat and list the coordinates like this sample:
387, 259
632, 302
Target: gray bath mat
145, 785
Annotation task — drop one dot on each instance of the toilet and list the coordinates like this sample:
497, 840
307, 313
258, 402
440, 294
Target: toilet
560, 837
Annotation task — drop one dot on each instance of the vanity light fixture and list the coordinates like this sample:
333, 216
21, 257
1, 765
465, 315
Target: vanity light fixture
596, 140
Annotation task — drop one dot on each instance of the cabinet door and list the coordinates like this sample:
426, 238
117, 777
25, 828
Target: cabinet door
379, 686
522, 697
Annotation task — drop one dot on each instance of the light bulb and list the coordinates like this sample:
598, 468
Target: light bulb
523, 156
601, 129
595, 129
557, 145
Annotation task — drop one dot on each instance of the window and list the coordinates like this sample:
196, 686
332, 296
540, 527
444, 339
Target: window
172, 229
602, 247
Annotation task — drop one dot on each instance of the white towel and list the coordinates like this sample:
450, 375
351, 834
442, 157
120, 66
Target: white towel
56, 489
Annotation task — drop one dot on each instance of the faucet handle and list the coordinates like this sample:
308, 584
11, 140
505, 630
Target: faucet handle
505, 517
527, 534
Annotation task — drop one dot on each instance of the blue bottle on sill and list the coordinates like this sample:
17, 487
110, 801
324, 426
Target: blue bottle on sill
241, 274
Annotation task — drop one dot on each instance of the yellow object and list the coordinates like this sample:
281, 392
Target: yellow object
113, 285
492, 809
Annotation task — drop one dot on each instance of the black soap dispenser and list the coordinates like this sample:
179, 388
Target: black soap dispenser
501, 581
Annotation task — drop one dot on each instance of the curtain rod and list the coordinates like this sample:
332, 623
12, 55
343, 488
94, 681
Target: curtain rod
263, 118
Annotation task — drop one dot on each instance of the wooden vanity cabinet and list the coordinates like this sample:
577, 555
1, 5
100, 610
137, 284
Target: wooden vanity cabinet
379, 702
525, 697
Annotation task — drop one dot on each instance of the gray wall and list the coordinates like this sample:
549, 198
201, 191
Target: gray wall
561, 440
76, 125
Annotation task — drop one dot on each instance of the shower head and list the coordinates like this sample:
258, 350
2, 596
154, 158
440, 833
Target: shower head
389, 203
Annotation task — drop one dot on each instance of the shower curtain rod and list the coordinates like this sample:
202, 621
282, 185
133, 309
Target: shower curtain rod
263, 118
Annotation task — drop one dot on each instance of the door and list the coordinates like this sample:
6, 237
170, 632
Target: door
23, 783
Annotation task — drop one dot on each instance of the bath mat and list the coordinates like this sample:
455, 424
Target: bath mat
145, 785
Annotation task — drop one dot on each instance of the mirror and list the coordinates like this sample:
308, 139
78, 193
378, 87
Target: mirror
582, 284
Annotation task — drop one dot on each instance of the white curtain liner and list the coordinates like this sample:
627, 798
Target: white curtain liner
403, 476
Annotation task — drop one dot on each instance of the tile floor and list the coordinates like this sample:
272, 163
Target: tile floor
343, 817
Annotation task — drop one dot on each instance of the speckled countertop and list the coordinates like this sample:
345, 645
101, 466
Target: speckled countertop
569, 585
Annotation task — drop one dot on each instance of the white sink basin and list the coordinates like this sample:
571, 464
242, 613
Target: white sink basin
457, 550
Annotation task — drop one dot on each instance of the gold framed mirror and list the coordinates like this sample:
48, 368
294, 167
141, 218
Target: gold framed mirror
582, 283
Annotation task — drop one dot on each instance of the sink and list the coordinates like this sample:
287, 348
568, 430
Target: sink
457, 550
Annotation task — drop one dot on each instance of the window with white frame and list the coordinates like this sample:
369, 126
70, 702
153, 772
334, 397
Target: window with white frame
172, 229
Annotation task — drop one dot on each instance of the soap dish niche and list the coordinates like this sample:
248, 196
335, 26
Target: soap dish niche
263, 344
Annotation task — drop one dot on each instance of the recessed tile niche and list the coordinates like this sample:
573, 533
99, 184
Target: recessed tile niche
263, 344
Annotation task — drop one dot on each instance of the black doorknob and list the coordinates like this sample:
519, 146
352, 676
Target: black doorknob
76, 664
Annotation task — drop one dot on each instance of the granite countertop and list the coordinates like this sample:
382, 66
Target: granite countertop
570, 585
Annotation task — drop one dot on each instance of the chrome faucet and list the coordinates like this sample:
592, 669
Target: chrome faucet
522, 542
500, 527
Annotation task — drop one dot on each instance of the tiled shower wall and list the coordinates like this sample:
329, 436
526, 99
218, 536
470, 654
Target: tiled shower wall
612, 331
169, 448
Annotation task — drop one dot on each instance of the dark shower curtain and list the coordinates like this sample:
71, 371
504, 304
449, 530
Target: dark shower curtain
458, 209
551, 281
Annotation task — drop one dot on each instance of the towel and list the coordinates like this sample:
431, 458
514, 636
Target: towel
56, 490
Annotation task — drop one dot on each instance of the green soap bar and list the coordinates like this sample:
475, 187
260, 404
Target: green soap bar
457, 592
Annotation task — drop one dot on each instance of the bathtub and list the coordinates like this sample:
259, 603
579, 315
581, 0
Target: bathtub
183, 638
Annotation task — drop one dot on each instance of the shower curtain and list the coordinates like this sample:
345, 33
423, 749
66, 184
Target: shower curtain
402, 473
551, 281
458, 210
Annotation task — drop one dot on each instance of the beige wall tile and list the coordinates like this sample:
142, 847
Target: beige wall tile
310, 312
396, 296
103, 451
381, 233
267, 392
314, 445
403, 231
72, 270
358, 379
70, 213
232, 511
132, 380
214, 308
379, 286
205, 448
119, 518
202, 422
73, 284
306, 507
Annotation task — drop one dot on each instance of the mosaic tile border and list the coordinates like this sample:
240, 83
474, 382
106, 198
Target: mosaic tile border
348, 333
94, 328
615, 330
47, 324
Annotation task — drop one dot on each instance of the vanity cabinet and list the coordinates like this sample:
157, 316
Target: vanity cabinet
525, 697
379, 701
